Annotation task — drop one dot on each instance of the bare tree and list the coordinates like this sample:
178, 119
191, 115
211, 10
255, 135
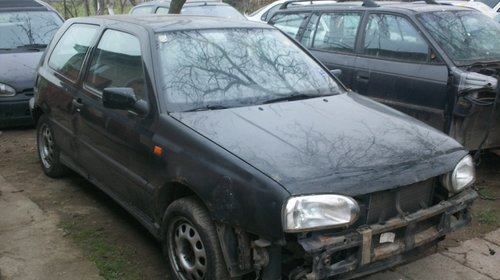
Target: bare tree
86, 8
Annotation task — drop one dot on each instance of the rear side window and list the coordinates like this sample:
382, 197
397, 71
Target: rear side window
389, 36
117, 62
290, 23
267, 15
162, 10
337, 32
67, 57
142, 10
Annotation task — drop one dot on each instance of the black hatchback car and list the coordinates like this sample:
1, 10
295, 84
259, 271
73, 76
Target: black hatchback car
26, 27
438, 63
240, 152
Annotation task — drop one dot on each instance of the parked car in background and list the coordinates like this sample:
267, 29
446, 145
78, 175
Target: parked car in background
26, 27
494, 4
242, 153
438, 63
265, 13
201, 8
476, 5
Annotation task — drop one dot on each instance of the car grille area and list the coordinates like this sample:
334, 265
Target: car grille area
381, 206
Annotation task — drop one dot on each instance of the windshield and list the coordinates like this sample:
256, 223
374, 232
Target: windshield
212, 10
27, 29
466, 36
236, 67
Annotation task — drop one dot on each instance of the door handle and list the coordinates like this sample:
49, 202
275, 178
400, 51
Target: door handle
363, 77
77, 104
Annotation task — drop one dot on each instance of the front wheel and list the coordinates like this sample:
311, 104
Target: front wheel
48, 151
191, 243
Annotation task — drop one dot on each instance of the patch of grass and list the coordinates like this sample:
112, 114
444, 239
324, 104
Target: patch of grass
489, 217
487, 193
111, 261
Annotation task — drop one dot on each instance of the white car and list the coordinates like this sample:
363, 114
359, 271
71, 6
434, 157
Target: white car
265, 13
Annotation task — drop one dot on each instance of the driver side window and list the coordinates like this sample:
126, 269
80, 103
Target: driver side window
117, 62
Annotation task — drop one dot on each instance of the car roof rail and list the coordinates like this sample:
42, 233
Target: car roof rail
286, 3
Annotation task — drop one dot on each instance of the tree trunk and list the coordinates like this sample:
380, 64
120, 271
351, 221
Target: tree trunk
133, 2
100, 7
176, 6
110, 5
86, 8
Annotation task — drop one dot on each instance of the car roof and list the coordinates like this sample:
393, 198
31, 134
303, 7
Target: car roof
400, 7
23, 5
162, 23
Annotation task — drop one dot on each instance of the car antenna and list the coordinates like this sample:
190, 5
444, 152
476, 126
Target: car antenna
370, 4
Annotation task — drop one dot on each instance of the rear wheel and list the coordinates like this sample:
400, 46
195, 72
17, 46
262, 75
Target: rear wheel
191, 243
48, 151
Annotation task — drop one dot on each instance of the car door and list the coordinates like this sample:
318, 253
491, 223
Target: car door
60, 79
114, 145
398, 67
331, 37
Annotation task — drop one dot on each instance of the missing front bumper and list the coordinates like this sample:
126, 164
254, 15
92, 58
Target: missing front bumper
368, 249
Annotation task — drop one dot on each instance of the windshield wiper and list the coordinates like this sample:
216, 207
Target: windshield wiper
33, 46
207, 108
482, 64
292, 97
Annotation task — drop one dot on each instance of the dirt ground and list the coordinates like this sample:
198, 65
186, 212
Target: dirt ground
88, 214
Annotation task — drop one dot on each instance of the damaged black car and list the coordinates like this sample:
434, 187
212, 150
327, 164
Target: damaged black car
437, 63
241, 153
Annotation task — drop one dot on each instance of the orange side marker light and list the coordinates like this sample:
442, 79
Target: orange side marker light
157, 151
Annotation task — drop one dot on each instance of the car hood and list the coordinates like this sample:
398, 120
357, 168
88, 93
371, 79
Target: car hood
345, 144
19, 68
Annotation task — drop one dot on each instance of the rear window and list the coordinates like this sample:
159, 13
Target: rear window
212, 10
25, 29
67, 57
290, 23
142, 10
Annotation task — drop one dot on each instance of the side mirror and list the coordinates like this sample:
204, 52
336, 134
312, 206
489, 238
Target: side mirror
336, 72
123, 98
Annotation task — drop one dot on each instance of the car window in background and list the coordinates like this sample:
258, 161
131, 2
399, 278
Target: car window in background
491, 3
141, 10
269, 14
236, 67
67, 57
337, 31
389, 36
290, 23
467, 37
213, 10
117, 62
162, 10
27, 28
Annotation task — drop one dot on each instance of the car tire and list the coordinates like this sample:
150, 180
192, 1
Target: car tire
191, 244
48, 151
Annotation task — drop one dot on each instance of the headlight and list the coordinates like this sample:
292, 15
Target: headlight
462, 176
6, 90
312, 212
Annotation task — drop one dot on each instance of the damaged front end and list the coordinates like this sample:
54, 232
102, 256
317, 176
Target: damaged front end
379, 245
475, 115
